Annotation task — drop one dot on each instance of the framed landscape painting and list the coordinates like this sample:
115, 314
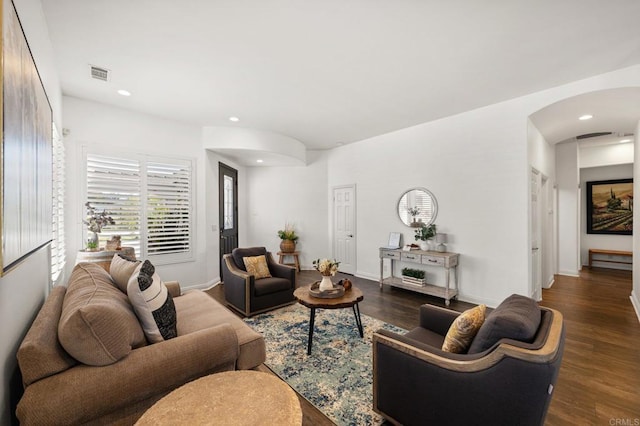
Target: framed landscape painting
610, 207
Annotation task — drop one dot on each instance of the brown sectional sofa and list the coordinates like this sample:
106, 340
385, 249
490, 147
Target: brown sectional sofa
58, 389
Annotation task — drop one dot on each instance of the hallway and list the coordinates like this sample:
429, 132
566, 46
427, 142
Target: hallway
599, 382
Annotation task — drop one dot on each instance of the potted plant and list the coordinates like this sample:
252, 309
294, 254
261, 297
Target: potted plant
414, 211
425, 233
289, 238
413, 276
95, 222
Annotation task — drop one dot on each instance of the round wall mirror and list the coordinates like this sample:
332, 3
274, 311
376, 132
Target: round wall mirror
417, 207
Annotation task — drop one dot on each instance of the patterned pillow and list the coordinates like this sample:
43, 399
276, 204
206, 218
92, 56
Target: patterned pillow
152, 304
121, 270
257, 266
463, 330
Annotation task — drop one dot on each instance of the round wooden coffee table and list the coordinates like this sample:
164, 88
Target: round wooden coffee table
350, 299
230, 398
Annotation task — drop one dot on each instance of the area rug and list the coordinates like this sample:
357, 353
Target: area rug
337, 377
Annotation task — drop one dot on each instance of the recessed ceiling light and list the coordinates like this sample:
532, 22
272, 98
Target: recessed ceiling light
585, 117
625, 140
259, 161
124, 92
234, 119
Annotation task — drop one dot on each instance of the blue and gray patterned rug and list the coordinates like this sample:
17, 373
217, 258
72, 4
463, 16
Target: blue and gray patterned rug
337, 376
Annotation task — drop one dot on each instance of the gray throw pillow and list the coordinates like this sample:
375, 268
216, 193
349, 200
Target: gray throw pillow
517, 318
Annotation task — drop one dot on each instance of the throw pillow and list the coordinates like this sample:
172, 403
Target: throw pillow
517, 318
152, 304
97, 324
257, 266
121, 270
463, 330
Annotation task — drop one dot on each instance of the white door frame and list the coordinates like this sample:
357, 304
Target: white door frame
334, 240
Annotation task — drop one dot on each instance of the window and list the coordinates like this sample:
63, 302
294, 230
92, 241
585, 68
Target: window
57, 241
149, 198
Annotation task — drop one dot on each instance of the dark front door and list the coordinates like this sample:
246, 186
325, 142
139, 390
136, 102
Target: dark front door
228, 202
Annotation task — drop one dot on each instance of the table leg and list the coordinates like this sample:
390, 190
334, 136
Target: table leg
312, 321
356, 313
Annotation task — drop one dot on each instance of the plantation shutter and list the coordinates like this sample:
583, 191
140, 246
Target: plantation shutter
168, 207
114, 185
57, 242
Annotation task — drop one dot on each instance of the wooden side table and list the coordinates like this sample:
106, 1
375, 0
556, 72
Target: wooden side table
243, 397
103, 257
350, 299
294, 254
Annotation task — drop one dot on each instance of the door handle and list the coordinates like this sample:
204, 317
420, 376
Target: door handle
350, 235
534, 249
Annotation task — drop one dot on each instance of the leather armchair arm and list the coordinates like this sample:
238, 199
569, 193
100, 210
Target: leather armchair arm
437, 319
83, 393
237, 284
281, 271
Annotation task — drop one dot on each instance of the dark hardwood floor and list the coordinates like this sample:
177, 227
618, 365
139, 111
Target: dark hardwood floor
599, 380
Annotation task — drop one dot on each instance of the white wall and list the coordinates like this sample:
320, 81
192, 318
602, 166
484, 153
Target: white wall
635, 293
477, 172
96, 125
567, 175
542, 157
23, 290
599, 241
606, 155
297, 195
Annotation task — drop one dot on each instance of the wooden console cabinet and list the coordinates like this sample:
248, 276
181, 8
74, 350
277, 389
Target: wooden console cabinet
446, 260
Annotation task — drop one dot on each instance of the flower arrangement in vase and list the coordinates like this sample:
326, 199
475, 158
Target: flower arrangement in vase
327, 268
288, 237
95, 221
425, 233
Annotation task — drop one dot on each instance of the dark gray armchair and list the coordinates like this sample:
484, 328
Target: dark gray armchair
503, 381
250, 296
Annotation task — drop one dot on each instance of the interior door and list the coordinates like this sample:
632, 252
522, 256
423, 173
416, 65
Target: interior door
228, 204
344, 227
536, 262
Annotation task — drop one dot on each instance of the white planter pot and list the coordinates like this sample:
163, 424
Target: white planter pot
424, 245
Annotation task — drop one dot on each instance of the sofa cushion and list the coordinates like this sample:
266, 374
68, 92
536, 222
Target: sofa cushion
97, 324
239, 254
257, 266
198, 311
517, 318
152, 303
40, 354
121, 270
463, 330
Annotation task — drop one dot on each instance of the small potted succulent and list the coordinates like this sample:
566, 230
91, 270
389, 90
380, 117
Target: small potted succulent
289, 238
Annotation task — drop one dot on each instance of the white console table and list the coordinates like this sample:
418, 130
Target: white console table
445, 260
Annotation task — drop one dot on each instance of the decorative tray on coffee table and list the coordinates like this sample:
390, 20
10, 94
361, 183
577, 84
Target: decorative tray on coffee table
334, 293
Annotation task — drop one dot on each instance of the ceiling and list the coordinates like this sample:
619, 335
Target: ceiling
332, 72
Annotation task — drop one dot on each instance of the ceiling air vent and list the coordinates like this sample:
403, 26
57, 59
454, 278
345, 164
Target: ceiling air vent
593, 135
99, 73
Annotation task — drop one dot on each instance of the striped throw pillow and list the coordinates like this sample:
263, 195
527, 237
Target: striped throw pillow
152, 304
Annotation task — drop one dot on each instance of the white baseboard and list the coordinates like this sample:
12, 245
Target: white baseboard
550, 283
478, 300
367, 276
204, 286
575, 274
636, 303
